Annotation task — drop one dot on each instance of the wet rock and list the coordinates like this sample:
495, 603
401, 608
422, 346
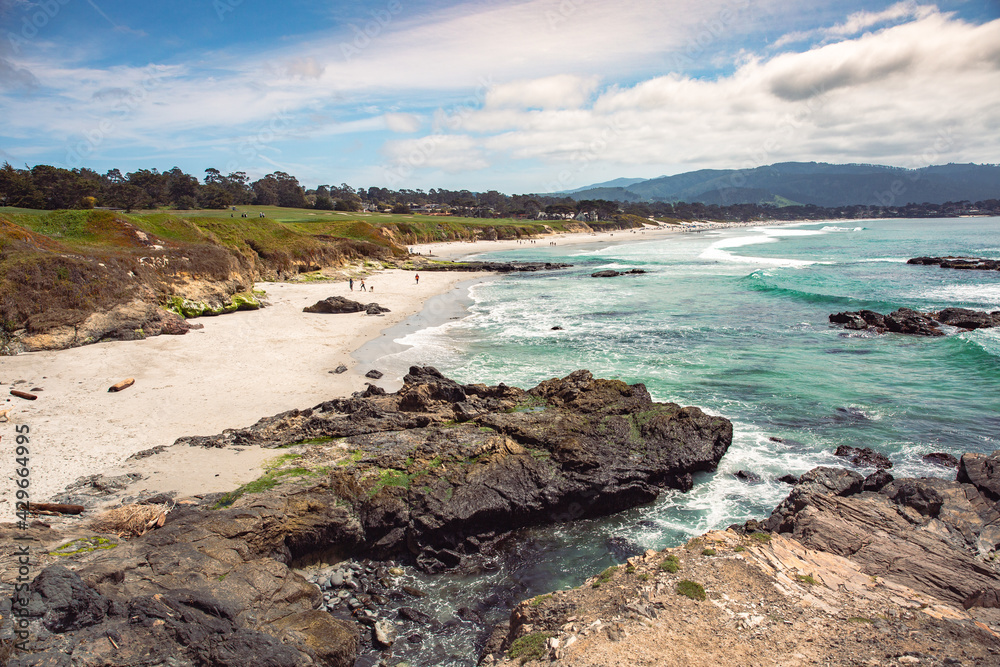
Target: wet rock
876, 480
747, 476
864, 456
788, 479
623, 548
607, 273
374, 374
375, 309
339, 369
941, 459
384, 633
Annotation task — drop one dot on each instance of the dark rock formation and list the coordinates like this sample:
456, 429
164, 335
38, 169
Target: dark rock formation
747, 476
864, 456
968, 263
611, 273
339, 304
908, 321
930, 534
941, 459
983, 472
374, 374
788, 479
389, 474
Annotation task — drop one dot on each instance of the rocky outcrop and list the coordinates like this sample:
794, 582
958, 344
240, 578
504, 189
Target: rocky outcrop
339, 304
444, 470
726, 598
908, 321
134, 320
933, 535
436, 473
967, 263
864, 456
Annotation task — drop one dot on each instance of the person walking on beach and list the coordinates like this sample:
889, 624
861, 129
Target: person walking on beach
350, 283
417, 278
363, 286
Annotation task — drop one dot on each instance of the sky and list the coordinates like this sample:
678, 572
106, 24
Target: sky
528, 96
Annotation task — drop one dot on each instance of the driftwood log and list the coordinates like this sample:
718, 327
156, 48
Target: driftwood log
124, 384
22, 394
55, 507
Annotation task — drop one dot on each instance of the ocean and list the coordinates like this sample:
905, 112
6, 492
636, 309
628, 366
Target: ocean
735, 322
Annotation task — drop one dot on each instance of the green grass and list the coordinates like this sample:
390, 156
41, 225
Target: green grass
671, 564
605, 577
860, 619
352, 458
539, 599
691, 589
762, 538
807, 579
83, 545
529, 647
273, 475
708, 552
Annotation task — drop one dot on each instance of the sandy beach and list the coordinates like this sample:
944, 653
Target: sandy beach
239, 368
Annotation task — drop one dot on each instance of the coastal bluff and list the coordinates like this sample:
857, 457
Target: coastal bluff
436, 474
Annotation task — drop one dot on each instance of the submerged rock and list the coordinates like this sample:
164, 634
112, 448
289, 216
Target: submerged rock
908, 321
864, 456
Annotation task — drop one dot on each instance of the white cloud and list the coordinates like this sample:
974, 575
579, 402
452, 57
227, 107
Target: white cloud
882, 97
448, 152
404, 123
858, 21
562, 91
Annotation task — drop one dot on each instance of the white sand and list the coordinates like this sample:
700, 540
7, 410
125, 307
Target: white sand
459, 249
239, 368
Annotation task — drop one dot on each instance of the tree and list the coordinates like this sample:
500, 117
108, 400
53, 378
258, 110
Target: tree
128, 196
17, 188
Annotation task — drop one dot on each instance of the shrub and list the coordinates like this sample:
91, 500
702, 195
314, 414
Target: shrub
605, 577
670, 564
708, 552
691, 589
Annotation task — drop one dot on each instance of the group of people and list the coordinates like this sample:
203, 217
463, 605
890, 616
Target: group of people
350, 283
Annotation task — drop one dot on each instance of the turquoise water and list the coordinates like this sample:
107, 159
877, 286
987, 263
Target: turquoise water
735, 322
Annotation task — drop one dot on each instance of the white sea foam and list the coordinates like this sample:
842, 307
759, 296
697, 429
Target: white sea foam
981, 294
831, 228
719, 252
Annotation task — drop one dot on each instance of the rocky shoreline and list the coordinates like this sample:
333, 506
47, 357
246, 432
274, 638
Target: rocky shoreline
916, 323
848, 570
435, 474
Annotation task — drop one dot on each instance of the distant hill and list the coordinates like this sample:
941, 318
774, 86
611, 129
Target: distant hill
816, 183
616, 183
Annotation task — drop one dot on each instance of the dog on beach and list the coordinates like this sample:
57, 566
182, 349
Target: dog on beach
4, 413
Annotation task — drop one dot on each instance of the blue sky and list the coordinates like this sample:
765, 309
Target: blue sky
532, 96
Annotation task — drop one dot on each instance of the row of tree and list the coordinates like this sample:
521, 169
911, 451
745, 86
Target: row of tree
48, 187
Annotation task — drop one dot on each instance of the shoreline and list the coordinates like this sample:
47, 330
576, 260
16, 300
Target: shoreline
464, 250
242, 366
